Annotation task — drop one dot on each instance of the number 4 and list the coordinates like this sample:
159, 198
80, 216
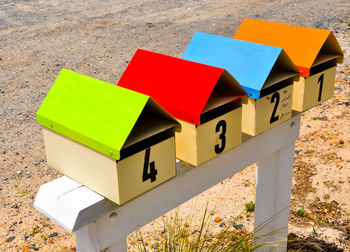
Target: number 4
152, 168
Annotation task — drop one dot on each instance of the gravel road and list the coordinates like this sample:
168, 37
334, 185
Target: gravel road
98, 38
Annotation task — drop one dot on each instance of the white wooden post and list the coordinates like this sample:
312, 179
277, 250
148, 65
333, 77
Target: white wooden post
273, 188
87, 240
101, 225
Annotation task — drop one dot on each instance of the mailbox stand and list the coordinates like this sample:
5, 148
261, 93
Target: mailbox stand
101, 225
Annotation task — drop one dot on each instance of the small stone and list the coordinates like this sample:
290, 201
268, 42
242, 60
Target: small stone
20, 222
34, 247
217, 219
341, 141
15, 206
5, 179
55, 234
187, 224
222, 224
14, 223
26, 238
239, 226
10, 239
41, 175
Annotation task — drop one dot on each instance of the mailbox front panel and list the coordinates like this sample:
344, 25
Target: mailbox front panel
219, 135
198, 144
310, 91
146, 169
267, 112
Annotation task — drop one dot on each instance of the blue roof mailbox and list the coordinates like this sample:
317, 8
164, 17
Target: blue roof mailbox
265, 72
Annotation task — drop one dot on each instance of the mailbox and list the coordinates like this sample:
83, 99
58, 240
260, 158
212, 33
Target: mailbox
206, 101
266, 73
315, 52
117, 142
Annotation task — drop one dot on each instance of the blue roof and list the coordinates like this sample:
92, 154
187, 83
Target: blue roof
249, 63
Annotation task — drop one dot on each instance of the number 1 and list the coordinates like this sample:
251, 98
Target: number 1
320, 80
152, 168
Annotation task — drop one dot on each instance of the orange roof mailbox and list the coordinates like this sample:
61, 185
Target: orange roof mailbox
315, 52
205, 99
117, 142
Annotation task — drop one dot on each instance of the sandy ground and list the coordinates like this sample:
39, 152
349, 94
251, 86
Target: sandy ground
98, 38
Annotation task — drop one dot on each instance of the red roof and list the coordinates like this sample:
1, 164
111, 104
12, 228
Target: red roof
181, 87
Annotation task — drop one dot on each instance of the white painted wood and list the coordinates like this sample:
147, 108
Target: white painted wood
119, 246
273, 188
86, 238
70, 204
114, 225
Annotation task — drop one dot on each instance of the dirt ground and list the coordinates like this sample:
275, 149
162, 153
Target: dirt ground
98, 38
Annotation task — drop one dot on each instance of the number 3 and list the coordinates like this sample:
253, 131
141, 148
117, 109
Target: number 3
152, 171
221, 124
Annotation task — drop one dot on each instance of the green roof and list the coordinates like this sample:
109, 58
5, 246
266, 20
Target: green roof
92, 112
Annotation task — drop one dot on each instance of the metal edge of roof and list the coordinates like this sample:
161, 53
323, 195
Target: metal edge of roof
167, 114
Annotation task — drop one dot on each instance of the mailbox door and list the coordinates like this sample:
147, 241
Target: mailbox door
267, 112
219, 135
312, 90
146, 169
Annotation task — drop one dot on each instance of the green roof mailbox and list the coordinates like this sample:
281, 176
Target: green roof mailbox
115, 141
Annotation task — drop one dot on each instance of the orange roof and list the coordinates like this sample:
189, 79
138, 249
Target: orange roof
302, 44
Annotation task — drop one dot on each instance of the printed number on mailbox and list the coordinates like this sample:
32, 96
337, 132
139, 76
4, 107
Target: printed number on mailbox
320, 80
221, 127
275, 99
152, 168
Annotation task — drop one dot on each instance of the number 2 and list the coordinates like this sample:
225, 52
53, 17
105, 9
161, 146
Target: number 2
221, 124
152, 168
320, 80
276, 96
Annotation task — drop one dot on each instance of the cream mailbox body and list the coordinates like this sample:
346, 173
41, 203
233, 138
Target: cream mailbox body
315, 52
266, 73
205, 100
115, 141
